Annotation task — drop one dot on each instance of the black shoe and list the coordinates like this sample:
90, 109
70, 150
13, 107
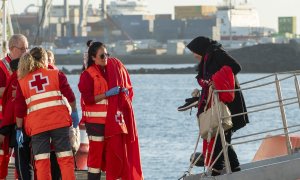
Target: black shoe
216, 172
189, 103
200, 162
236, 169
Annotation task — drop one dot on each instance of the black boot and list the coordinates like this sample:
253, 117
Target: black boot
94, 176
200, 162
215, 172
236, 169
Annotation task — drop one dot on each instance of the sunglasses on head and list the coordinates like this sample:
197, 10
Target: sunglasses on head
102, 56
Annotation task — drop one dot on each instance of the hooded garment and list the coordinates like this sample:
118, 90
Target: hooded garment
200, 45
122, 152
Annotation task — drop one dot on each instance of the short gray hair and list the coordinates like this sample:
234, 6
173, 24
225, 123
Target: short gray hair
15, 39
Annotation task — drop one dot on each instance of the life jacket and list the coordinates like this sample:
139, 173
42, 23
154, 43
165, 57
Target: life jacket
4, 65
96, 113
46, 109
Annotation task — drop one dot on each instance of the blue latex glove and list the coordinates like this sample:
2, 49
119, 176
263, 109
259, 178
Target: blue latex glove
75, 118
125, 90
113, 91
19, 138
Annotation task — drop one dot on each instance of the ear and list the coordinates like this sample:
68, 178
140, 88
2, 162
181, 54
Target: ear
93, 58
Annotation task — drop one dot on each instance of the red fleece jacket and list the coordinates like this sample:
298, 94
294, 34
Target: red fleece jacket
8, 101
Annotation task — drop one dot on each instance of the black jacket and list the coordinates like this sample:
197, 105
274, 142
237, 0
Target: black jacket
217, 58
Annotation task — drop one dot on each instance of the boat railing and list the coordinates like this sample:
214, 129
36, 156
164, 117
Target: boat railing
280, 103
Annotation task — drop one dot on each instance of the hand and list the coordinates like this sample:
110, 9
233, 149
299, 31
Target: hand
75, 118
19, 138
125, 90
113, 91
212, 84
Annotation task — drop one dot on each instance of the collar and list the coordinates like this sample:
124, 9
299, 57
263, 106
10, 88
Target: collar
8, 58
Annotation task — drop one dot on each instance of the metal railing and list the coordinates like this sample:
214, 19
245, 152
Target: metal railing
280, 103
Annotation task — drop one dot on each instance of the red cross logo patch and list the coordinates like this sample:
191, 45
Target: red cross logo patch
39, 83
119, 117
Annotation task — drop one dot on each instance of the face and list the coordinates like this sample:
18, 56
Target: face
50, 59
17, 50
101, 57
198, 57
46, 60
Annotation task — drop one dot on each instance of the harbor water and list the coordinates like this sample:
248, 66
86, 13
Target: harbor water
168, 137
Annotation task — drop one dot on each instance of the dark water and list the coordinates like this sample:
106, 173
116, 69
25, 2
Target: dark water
167, 137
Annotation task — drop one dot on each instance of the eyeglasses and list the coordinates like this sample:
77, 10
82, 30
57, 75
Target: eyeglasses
102, 56
22, 48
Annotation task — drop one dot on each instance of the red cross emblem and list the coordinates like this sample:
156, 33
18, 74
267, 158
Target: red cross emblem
39, 83
119, 117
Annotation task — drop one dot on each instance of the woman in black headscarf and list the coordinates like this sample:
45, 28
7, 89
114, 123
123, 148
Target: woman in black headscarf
212, 58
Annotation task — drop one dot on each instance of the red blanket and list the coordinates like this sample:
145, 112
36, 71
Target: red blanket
224, 80
122, 152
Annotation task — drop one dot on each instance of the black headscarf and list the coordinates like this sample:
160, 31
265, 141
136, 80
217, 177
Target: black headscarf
202, 45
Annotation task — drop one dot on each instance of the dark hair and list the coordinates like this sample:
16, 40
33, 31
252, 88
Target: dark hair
94, 47
38, 53
14, 64
89, 42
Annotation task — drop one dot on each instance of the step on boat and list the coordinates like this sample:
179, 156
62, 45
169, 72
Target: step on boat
278, 156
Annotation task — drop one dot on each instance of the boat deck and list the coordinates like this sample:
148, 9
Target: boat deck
278, 168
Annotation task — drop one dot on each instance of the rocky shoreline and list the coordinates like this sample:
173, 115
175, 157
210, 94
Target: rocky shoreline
263, 58
188, 70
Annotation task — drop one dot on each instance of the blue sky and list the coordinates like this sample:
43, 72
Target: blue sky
268, 10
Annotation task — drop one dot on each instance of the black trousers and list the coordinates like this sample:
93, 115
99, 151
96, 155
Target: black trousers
60, 140
234, 162
55, 170
41, 145
23, 160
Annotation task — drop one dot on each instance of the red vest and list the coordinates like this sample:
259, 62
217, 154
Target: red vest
96, 113
4, 65
46, 109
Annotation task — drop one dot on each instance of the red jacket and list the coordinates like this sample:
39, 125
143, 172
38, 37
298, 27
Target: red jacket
5, 74
8, 102
123, 154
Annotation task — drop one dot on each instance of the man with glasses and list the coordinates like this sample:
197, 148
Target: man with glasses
17, 44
